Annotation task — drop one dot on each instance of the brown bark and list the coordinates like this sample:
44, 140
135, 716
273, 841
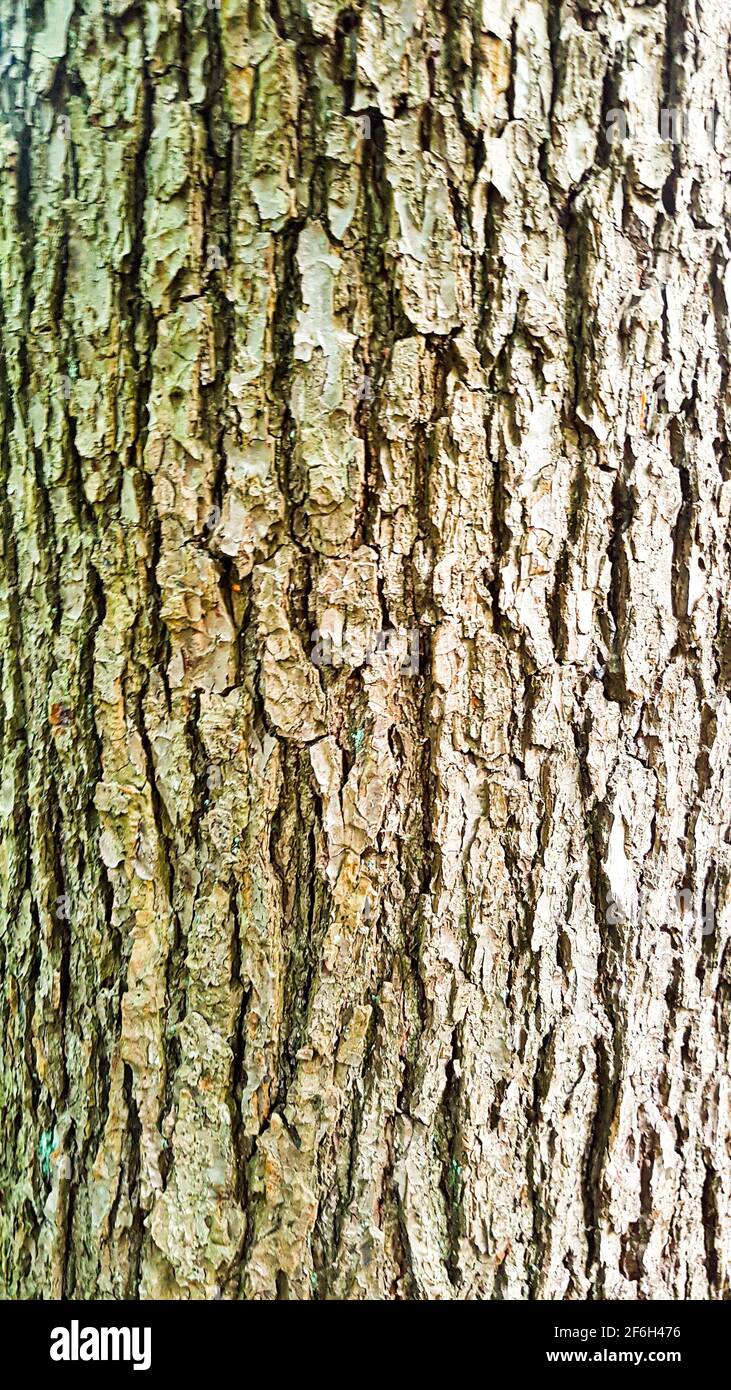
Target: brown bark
364, 699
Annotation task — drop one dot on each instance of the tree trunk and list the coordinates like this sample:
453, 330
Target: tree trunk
366, 654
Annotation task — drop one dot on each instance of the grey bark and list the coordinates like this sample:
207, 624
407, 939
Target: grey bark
366, 657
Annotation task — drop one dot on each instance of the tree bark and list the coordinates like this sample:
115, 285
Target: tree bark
366, 654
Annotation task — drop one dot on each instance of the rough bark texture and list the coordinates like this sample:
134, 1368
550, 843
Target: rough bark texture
324, 973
